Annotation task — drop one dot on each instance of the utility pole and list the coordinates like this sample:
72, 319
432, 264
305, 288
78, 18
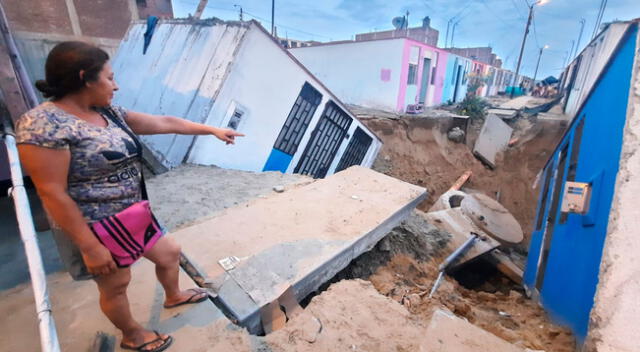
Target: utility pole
446, 37
573, 45
201, 5
273, 15
524, 41
603, 5
453, 31
537, 66
582, 23
241, 13
407, 24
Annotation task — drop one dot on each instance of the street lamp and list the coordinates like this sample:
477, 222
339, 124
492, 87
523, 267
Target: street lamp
524, 41
538, 65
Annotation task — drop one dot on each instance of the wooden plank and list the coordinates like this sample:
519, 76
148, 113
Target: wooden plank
461, 181
506, 266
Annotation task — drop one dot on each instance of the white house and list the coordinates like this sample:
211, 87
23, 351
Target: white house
583, 72
234, 74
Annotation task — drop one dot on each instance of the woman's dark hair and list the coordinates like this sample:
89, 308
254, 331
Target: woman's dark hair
63, 66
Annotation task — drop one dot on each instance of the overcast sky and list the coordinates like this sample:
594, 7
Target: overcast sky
498, 23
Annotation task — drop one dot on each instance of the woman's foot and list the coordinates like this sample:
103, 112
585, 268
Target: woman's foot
146, 341
190, 296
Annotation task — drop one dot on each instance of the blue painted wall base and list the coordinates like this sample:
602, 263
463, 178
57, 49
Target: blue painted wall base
278, 161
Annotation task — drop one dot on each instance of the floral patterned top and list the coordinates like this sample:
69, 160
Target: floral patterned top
105, 169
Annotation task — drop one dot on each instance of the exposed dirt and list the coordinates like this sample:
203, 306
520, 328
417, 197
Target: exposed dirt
417, 150
404, 266
509, 316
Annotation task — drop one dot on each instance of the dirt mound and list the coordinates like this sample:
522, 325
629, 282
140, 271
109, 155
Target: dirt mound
416, 150
353, 316
509, 316
404, 265
414, 237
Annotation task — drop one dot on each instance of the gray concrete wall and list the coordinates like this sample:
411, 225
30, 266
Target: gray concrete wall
615, 315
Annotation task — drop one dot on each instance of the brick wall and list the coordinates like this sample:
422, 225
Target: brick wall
42, 16
159, 8
95, 18
104, 18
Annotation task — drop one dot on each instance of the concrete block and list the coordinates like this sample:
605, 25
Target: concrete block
494, 137
504, 114
456, 223
494, 219
299, 239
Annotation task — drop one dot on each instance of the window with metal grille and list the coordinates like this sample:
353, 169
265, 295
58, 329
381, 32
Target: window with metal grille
325, 141
412, 78
356, 150
235, 120
298, 120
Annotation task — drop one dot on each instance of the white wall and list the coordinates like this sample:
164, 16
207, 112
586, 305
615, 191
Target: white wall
180, 75
594, 58
353, 70
265, 81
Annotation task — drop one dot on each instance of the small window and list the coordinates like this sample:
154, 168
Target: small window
412, 78
433, 75
573, 161
545, 192
235, 120
142, 3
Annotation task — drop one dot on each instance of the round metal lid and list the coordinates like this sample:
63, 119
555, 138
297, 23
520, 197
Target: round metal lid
492, 218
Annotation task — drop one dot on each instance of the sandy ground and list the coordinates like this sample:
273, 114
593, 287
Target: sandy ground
418, 151
195, 193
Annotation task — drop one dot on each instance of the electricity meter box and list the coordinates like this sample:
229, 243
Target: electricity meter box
576, 197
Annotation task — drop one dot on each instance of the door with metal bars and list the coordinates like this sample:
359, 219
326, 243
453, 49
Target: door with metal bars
294, 128
356, 150
324, 142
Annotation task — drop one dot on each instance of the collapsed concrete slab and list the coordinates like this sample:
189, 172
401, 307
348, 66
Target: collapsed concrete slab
494, 137
289, 244
446, 332
504, 114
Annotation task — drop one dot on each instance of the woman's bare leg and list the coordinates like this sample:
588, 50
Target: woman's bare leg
115, 305
165, 254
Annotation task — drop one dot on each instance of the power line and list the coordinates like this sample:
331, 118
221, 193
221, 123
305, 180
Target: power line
493, 13
259, 18
515, 5
535, 33
287, 27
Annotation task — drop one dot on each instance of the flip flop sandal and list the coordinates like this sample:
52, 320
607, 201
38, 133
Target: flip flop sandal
191, 300
165, 344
